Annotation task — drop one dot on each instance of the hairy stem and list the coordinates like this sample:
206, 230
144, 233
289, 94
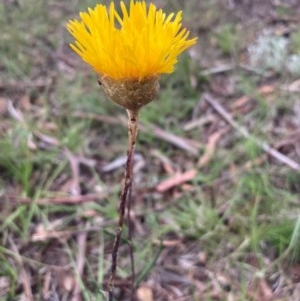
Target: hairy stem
132, 134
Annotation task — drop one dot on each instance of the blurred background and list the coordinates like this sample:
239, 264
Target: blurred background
217, 182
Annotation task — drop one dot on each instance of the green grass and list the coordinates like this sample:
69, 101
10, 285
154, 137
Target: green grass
226, 38
243, 220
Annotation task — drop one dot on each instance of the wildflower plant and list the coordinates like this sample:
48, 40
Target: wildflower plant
129, 52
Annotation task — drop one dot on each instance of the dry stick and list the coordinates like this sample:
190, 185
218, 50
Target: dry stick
132, 133
81, 236
68, 199
243, 131
191, 147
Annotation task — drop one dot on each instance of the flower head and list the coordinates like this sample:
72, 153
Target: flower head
141, 42
130, 50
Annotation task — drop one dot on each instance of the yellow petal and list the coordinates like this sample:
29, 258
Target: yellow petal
141, 42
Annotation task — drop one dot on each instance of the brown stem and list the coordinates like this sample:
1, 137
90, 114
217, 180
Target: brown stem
130, 242
132, 133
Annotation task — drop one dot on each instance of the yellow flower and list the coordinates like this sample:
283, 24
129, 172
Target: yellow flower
141, 43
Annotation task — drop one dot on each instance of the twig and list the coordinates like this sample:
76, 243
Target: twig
68, 199
191, 147
74, 165
132, 133
244, 132
210, 147
53, 234
81, 236
218, 70
188, 145
20, 86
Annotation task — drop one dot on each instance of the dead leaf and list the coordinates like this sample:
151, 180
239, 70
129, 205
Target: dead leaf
4, 285
15, 113
294, 86
42, 233
30, 143
50, 126
240, 102
202, 257
144, 293
176, 180
165, 161
47, 139
210, 148
46, 285
266, 89
260, 290
67, 281
167, 243
25, 104
3, 105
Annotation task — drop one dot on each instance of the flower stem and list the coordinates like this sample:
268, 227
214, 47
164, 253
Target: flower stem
130, 242
132, 134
